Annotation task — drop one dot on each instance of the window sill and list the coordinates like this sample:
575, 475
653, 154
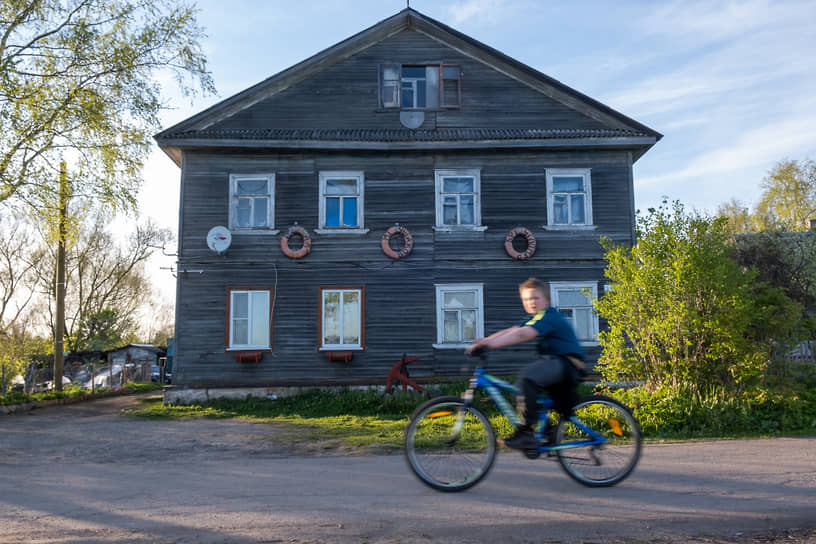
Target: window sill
450, 346
569, 227
447, 228
341, 231
255, 231
340, 348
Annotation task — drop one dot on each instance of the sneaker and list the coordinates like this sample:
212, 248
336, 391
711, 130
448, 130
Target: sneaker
522, 439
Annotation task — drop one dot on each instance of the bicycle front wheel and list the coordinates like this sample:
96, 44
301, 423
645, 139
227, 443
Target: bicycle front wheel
599, 417
450, 446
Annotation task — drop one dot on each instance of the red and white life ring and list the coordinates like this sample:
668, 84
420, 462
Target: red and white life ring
407, 239
303, 251
531, 243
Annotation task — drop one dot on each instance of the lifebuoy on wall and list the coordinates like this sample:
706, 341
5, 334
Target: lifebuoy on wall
407, 242
531, 243
307, 243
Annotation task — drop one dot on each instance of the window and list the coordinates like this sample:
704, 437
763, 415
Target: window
341, 318
458, 204
249, 319
419, 86
574, 301
459, 315
569, 198
341, 201
252, 202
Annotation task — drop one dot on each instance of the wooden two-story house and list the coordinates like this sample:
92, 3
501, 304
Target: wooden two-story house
387, 196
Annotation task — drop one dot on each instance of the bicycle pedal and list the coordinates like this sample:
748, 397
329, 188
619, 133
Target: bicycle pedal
531, 454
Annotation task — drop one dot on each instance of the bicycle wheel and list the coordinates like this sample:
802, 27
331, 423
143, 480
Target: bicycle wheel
448, 445
606, 464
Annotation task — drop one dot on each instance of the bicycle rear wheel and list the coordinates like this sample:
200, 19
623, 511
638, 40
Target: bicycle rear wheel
606, 464
448, 445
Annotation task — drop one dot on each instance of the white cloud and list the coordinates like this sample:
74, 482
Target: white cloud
757, 149
485, 10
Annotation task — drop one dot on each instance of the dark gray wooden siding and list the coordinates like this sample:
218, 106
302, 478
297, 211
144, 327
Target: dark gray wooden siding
400, 296
345, 95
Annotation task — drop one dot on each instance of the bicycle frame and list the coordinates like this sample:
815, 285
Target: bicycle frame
494, 386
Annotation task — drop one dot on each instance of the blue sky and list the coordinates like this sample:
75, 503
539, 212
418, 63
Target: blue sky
730, 85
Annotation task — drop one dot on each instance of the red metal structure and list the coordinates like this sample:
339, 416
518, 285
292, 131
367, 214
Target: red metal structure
399, 373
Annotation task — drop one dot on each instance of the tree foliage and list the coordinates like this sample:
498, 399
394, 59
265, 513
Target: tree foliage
19, 254
77, 81
106, 284
789, 195
787, 203
786, 260
682, 312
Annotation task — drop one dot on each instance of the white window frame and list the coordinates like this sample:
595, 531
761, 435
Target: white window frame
360, 345
233, 204
231, 317
556, 286
392, 80
572, 172
441, 289
476, 174
342, 174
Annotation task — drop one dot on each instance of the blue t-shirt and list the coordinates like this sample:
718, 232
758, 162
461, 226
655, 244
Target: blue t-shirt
555, 335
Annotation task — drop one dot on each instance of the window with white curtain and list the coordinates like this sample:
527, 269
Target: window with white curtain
459, 314
575, 302
341, 318
250, 319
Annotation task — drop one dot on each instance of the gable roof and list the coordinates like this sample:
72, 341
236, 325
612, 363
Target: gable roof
199, 130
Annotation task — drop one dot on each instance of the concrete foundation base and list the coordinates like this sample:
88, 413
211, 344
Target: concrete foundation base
196, 396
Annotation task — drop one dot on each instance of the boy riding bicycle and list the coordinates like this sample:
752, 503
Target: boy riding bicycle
558, 368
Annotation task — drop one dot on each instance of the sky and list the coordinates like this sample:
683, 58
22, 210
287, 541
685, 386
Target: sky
731, 85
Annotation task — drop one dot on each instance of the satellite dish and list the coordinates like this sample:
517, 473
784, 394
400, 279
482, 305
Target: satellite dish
219, 239
412, 119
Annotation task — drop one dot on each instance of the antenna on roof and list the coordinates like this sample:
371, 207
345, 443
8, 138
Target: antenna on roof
408, 3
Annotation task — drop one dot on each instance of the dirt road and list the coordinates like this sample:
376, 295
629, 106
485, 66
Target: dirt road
84, 473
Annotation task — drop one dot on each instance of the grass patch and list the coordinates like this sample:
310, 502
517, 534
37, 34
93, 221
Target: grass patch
319, 419
75, 391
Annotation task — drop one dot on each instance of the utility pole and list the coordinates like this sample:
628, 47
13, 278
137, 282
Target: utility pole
59, 334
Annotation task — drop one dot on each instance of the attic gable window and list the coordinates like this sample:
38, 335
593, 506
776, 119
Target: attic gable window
420, 86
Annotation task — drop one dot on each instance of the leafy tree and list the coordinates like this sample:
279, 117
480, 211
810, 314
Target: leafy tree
19, 254
106, 329
18, 347
787, 203
786, 260
738, 217
106, 283
682, 312
77, 81
789, 197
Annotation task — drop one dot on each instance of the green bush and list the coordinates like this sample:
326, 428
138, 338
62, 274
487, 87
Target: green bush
72, 391
680, 413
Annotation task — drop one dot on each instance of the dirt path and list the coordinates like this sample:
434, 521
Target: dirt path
86, 473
